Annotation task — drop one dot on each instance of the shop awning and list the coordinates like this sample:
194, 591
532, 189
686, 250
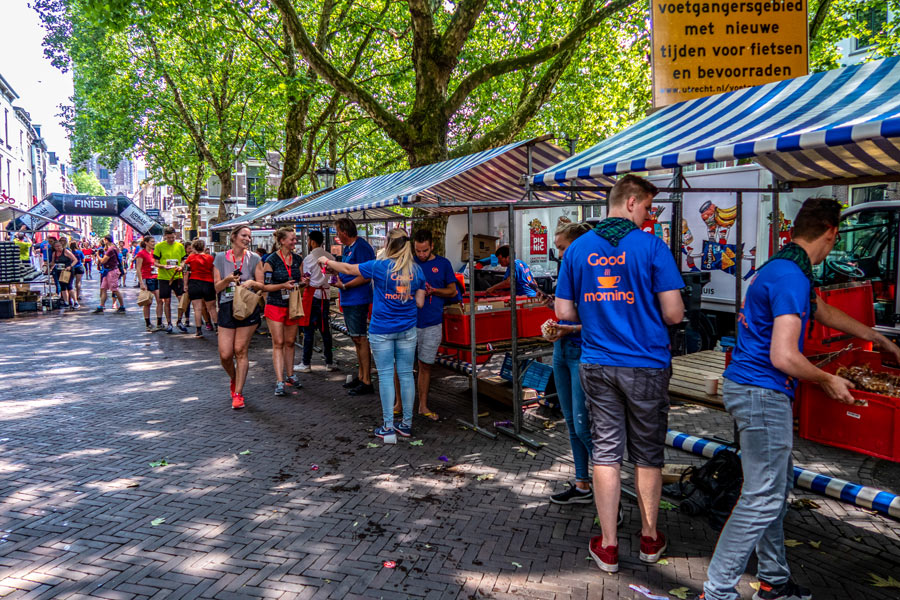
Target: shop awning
823, 128
273, 207
493, 175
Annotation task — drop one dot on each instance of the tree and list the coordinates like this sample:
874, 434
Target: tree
87, 183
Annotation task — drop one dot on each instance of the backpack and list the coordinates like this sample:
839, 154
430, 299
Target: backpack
713, 488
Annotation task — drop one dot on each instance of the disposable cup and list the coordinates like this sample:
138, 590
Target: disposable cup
712, 385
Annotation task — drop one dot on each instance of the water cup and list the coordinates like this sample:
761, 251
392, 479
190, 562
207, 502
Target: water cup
712, 385
349, 378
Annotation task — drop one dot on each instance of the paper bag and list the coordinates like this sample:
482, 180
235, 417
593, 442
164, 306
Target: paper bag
65, 276
245, 303
184, 302
295, 304
145, 298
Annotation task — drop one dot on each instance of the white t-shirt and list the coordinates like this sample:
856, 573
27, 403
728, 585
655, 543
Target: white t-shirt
317, 279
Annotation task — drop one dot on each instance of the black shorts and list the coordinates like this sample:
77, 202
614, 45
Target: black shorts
201, 290
227, 320
78, 270
152, 284
168, 287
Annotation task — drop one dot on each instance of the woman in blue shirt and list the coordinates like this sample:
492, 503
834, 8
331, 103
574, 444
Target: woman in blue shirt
399, 291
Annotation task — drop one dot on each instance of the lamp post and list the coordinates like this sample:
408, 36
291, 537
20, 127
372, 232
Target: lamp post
326, 175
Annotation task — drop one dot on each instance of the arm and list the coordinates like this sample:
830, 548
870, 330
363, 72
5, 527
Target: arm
786, 357
138, 262
566, 311
273, 287
445, 292
503, 285
671, 306
346, 269
838, 319
420, 298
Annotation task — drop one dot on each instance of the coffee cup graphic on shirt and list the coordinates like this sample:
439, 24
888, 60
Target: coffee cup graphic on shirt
609, 281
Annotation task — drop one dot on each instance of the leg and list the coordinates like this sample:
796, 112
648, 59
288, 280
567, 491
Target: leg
357, 343
404, 358
121, 299
568, 391
102, 297
226, 351
158, 307
167, 308
422, 386
198, 312
324, 324
383, 352
146, 311
287, 349
212, 312
365, 362
242, 337
276, 329
607, 492
648, 481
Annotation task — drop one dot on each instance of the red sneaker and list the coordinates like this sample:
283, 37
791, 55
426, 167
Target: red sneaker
652, 550
607, 558
237, 401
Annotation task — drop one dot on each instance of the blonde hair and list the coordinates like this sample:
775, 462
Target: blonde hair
198, 245
234, 232
398, 250
572, 231
282, 233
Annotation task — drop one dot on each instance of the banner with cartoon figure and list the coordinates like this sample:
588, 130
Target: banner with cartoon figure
538, 244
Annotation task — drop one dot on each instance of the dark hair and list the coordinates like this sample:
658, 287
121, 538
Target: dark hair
73, 246
261, 250
346, 225
109, 238
316, 236
628, 186
816, 216
169, 230
198, 245
422, 236
236, 231
502, 252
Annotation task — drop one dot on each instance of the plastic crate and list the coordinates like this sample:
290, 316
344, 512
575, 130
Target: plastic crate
535, 375
530, 318
857, 300
490, 326
873, 430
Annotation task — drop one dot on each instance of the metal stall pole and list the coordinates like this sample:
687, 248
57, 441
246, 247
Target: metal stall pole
739, 263
472, 344
775, 223
676, 196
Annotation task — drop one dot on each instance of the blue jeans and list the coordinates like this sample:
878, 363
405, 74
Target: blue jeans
390, 350
766, 426
566, 361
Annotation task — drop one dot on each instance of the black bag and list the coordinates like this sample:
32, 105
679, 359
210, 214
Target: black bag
713, 489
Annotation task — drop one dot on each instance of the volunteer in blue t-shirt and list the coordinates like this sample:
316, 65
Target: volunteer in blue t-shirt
525, 285
759, 387
356, 298
399, 291
624, 287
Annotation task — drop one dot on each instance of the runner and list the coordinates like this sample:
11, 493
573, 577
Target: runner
109, 282
78, 272
282, 272
198, 273
168, 255
62, 260
88, 260
145, 267
236, 266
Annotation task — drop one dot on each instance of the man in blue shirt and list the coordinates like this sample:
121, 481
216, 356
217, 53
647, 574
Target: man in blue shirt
624, 287
356, 300
524, 281
759, 389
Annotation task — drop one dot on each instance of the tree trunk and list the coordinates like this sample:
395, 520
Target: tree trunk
293, 148
225, 196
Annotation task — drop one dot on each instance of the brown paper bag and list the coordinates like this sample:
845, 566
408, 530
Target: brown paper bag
295, 304
245, 302
145, 298
65, 277
184, 302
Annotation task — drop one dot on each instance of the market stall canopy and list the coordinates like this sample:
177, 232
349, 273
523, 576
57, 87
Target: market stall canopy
832, 127
369, 215
493, 175
271, 208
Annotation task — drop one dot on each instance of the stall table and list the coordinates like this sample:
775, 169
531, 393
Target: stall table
689, 373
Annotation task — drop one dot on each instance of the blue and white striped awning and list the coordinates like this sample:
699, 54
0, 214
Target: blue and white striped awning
833, 126
492, 175
273, 207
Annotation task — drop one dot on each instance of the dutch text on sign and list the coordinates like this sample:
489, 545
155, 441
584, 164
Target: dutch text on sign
703, 48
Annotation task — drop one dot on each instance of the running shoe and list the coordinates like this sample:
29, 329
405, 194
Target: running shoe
332, 367
363, 389
301, 368
294, 381
209, 327
199, 334
383, 431
150, 329
169, 328
182, 328
573, 495
97, 311
786, 591
237, 401
404, 430
606, 557
159, 328
279, 388
76, 305
121, 310
652, 550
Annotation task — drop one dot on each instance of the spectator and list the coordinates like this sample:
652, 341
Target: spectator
400, 289
198, 273
109, 283
62, 260
236, 266
145, 267
356, 301
758, 392
624, 343
123, 262
168, 255
525, 285
24, 248
321, 306
77, 273
282, 272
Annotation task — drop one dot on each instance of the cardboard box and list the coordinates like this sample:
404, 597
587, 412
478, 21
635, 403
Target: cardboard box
485, 245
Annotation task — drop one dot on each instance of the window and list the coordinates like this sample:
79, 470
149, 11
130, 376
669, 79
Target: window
6, 126
870, 193
872, 19
256, 186
104, 174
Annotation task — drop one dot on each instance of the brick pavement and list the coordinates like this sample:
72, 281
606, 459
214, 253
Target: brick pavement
89, 401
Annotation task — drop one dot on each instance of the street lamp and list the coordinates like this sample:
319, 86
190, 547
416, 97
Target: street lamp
326, 175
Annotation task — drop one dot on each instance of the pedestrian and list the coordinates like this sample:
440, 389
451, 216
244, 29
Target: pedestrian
77, 272
236, 266
356, 303
168, 255
319, 317
758, 392
62, 261
24, 248
109, 283
282, 273
123, 262
399, 293
566, 338
624, 287
88, 260
198, 273
145, 268
525, 285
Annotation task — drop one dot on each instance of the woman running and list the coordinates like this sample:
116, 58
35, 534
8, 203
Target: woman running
145, 268
198, 277
88, 260
236, 266
61, 260
282, 272
399, 293
78, 273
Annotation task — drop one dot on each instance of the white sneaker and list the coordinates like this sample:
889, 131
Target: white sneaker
332, 367
301, 368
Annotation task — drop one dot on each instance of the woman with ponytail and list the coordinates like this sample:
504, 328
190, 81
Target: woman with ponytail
399, 291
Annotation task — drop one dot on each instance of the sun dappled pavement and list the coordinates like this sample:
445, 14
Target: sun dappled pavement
125, 474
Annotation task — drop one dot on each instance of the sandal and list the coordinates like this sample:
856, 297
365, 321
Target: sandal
432, 416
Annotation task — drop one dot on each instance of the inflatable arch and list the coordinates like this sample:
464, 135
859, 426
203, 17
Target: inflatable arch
54, 205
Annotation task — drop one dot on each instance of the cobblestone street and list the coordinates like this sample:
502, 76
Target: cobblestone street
294, 498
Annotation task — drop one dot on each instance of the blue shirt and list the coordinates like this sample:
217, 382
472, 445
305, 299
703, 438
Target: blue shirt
614, 290
523, 279
355, 254
390, 312
438, 273
780, 288
79, 257
45, 250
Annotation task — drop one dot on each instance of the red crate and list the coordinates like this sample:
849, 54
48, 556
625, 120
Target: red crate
530, 318
857, 300
872, 429
490, 326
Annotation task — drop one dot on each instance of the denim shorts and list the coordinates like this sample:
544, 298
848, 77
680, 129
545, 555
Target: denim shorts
629, 408
356, 318
428, 340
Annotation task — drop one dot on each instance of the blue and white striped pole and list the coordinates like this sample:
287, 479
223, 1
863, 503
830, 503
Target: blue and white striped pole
858, 495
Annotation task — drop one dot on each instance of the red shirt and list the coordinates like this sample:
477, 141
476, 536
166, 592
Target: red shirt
147, 264
201, 267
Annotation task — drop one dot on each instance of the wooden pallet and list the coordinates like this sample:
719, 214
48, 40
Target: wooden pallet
689, 373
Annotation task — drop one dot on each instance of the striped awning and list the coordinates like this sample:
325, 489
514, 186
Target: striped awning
493, 175
836, 126
273, 207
